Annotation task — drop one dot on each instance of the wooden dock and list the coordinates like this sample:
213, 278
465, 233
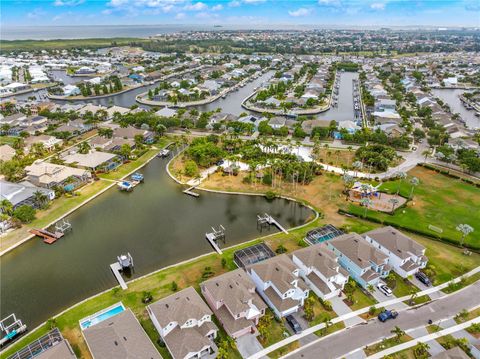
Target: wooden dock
273, 221
211, 238
48, 237
190, 192
116, 269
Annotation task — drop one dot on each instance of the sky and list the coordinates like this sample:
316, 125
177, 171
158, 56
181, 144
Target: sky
247, 13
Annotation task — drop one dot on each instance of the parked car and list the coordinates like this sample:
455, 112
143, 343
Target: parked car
382, 287
422, 277
293, 324
387, 314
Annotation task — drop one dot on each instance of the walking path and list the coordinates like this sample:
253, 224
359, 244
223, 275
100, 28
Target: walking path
427, 338
353, 314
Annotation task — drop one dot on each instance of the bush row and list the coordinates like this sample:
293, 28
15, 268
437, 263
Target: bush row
449, 174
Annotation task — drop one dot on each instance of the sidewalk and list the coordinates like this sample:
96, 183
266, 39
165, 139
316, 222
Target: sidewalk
344, 317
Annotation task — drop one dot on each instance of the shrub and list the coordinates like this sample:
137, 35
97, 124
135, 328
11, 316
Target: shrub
174, 286
280, 249
270, 195
24, 214
191, 169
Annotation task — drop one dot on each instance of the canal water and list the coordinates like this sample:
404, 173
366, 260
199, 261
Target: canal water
451, 97
156, 223
344, 111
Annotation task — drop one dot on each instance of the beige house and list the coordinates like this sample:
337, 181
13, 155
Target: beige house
184, 323
6, 153
48, 175
234, 302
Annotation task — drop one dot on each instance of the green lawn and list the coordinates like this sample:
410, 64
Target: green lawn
400, 287
29, 45
438, 200
385, 344
7, 140
361, 300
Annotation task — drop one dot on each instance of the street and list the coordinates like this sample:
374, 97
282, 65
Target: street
359, 336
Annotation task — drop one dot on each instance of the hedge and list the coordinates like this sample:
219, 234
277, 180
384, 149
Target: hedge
449, 174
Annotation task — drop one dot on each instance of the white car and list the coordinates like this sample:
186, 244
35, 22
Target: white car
382, 287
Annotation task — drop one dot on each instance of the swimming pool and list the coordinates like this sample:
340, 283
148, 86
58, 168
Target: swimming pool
102, 315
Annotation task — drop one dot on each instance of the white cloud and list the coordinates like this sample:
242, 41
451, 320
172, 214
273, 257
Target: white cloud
330, 2
180, 16
253, 1
378, 6
217, 7
234, 3
36, 13
68, 2
199, 6
299, 12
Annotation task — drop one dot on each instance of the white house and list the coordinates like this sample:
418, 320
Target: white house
320, 269
71, 90
405, 255
185, 325
278, 283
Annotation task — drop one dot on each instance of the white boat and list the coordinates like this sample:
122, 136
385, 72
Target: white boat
163, 153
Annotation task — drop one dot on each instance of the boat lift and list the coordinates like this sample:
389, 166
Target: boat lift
63, 226
11, 328
124, 263
216, 235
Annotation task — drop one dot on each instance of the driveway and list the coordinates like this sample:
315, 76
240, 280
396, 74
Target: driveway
461, 333
341, 308
304, 324
248, 345
380, 297
346, 341
435, 347
436, 295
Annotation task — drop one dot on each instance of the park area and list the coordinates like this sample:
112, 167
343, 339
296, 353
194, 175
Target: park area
439, 204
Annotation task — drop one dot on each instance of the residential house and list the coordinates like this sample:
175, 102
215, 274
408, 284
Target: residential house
277, 122
47, 141
119, 336
363, 261
320, 269
234, 302
93, 161
130, 133
405, 255
49, 175
6, 153
278, 283
116, 109
385, 105
23, 193
185, 325
166, 112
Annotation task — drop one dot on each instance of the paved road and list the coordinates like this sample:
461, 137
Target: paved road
344, 342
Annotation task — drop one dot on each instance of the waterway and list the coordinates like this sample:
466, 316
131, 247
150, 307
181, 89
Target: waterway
344, 111
451, 97
156, 223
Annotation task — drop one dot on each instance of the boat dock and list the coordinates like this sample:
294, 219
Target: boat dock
267, 219
190, 192
116, 269
48, 237
214, 236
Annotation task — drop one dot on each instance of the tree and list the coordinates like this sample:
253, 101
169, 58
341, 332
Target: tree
40, 199
6, 207
414, 182
24, 213
366, 202
174, 286
191, 169
394, 203
401, 176
84, 147
425, 154
105, 132
399, 333
465, 229
421, 349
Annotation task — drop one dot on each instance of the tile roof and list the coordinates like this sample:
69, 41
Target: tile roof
396, 242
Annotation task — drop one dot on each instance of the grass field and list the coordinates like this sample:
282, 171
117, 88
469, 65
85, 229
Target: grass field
438, 200
29, 45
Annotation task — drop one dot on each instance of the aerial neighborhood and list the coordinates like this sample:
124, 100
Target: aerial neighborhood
227, 193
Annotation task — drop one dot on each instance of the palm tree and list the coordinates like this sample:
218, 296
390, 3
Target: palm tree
414, 182
40, 198
6, 207
357, 165
426, 153
366, 202
421, 348
394, 203
399, 333
401, 176
465, 229
348, 182
327, 322
83, 147
371, 288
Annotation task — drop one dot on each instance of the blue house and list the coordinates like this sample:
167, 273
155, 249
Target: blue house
365, 264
